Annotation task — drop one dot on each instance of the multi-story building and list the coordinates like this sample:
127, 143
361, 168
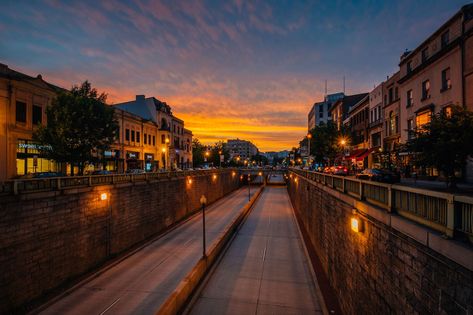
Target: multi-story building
241, 148
357, 123
339, 109
23, 102
433, 76
375, 136
320, 111
391, 128
187, 152
170, 137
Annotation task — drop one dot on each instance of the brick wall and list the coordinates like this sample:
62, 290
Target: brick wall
50, 239
380, 270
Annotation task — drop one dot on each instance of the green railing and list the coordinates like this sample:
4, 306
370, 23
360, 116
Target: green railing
19, 186
444, 212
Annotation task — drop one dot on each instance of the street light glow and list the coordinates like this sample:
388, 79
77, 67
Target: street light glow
103, 196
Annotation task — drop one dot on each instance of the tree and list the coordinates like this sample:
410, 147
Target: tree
216, 150
198, 151
80, 127
325, 142
445, 142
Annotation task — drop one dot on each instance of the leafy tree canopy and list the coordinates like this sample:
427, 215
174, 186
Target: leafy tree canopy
79, 126
445, 142
325, 142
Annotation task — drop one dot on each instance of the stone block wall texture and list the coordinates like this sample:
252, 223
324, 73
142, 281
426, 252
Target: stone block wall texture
378, 271
50, 239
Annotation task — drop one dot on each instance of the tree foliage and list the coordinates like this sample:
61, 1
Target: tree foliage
198, 151
325, 142
80, 126
445, 142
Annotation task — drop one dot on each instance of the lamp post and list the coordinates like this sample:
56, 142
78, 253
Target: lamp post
249, 195
220, 157
164, 158
105, 197
203, 201
309, 137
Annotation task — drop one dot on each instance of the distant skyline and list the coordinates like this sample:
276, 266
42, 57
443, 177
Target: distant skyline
229, 69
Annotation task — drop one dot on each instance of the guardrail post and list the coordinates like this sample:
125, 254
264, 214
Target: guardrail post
361, 190
90, 181
390, 199
15, 187
343, 185
59, 183
450, 217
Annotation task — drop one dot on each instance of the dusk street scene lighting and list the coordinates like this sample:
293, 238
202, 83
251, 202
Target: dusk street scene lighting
236, 157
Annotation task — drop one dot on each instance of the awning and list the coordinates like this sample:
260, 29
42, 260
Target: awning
364, 154
353, 154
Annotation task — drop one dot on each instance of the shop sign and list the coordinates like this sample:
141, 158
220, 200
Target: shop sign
111, 154
33, 146
132, 155
149, 156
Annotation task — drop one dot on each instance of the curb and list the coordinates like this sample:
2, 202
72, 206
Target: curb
177, 301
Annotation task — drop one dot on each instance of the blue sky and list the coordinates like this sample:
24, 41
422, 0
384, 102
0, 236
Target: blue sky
248, 69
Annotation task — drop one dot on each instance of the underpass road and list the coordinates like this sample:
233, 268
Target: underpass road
265, 269
141, 283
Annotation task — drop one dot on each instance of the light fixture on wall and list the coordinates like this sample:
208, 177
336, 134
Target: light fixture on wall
103, 196
356, 223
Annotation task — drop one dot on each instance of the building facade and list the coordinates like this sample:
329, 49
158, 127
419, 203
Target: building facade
375, 131
170, 137
241, 148
339, 110
391, 127
23, 102
320, 111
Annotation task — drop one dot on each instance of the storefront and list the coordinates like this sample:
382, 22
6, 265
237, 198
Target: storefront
29, 159
150, 163
133, 160
113, 162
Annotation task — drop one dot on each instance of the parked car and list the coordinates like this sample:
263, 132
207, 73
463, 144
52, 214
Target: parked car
48, 174
135, 171
379, 175
341, 171
101, 172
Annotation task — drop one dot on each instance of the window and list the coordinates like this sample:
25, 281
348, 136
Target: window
138, 138
21, 112
145, 138
149, 139
409, 67
396, 93
154, 140
447, 111
410, 98
385, 99
391, 95
132, 136
127, 134
425, 89
423, 118
425, 54
163, 139
445, 39
446, 82
37, 114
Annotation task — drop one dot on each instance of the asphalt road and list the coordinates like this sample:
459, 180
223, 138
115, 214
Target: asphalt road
141, 283
265, 269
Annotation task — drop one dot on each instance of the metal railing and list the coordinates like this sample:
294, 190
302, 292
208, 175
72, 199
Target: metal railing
19, 186
444, 212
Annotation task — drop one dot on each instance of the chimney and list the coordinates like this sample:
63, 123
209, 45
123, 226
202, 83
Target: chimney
39, 76
140, 98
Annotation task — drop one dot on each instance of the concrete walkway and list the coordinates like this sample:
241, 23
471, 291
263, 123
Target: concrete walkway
265, 269
141, 283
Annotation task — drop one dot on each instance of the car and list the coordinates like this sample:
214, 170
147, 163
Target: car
379, 175
101, 172
48, 174
341, 171
135, 171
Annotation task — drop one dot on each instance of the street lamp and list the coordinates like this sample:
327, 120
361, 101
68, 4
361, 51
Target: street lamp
220, 157
203, 201
164, 158
249, 187
309, 136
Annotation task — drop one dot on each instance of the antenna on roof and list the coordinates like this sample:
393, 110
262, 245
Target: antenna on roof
325, 88
343, 84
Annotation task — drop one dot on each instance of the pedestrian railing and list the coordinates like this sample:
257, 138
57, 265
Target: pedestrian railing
19, 186
444, 212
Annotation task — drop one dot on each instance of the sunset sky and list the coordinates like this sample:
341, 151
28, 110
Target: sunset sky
246, 69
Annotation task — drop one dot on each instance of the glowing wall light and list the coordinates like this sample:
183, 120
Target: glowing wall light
103, 196
356, 224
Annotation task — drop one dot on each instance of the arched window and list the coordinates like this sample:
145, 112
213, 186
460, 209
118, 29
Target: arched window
392, 123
